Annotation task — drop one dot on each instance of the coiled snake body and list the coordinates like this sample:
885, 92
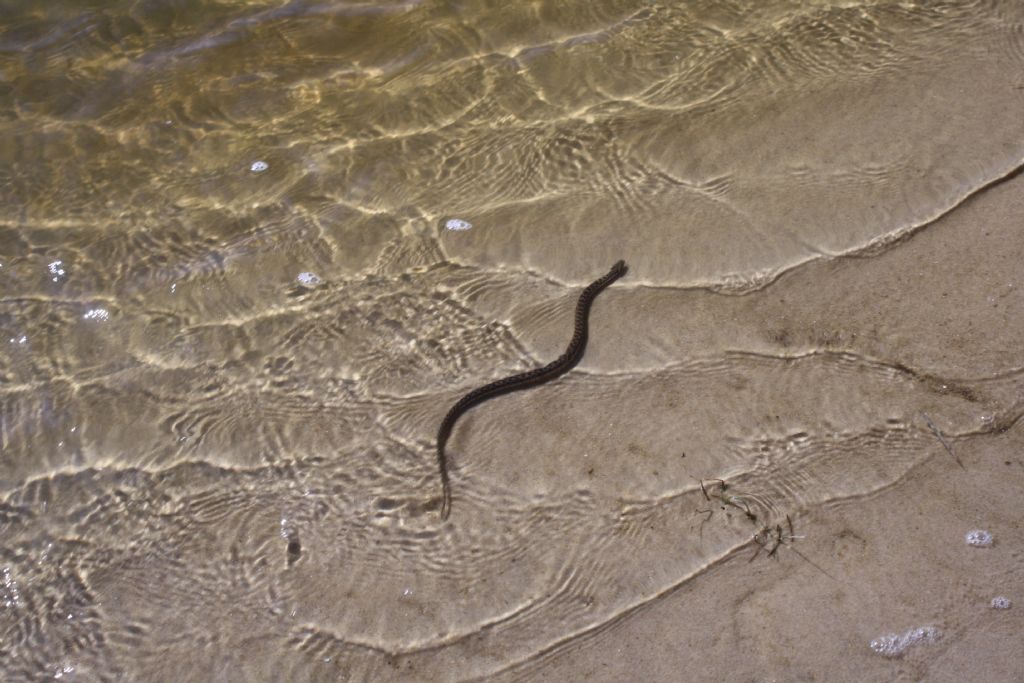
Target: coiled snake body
560, 365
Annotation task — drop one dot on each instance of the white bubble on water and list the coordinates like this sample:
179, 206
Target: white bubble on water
56, 269
1001, 602
979, 538
457, 224
10, 596
97, 314
259, 166
893, 644
309, 279
65, 669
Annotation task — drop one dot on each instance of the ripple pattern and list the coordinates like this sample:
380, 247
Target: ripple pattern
229, 474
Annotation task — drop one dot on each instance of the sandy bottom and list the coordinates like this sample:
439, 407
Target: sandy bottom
252, 251
896, 560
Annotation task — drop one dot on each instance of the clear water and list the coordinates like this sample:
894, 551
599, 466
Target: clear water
251, 252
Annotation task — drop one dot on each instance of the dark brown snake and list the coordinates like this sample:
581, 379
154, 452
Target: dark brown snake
530, 378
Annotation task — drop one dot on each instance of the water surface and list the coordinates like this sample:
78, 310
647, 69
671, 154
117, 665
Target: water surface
233, 312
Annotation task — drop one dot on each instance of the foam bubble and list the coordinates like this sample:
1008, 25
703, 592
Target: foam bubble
259, 166
9, 594
309, 279
979, 538
457, 224
1001, 602
893, 644
56, 269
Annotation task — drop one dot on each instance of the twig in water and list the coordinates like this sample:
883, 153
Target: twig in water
942, 439
779, 538
727, 498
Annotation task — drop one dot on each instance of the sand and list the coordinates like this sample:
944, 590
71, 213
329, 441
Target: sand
250, 254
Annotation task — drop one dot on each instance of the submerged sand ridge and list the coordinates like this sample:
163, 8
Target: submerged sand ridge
233, 317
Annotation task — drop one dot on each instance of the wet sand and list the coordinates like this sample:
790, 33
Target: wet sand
250, 255
894, 559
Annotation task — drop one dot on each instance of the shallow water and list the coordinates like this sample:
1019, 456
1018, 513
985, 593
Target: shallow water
250, 254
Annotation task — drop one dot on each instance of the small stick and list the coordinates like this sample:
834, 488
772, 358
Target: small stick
808, 561
781, 539
703, 489
942, 439
778, 540
700, 529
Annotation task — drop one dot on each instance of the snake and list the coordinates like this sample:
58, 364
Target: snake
530, 378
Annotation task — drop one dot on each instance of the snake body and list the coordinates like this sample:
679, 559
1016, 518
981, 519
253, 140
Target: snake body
560, 365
